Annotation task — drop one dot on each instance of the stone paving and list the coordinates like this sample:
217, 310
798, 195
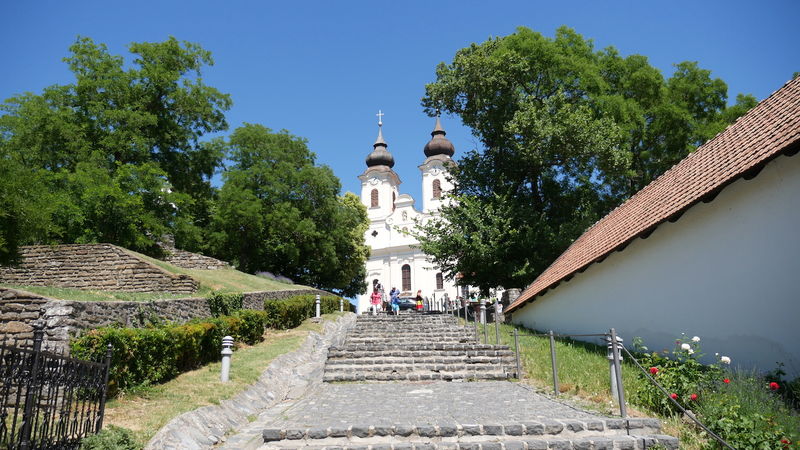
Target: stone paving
423, 403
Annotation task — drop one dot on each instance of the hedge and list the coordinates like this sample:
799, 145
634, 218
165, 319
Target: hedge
144, 356
291, 312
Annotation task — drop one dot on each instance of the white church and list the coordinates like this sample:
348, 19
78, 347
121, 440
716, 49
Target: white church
395, 261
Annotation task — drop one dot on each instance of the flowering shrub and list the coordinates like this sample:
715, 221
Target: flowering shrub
744, 409
680, 373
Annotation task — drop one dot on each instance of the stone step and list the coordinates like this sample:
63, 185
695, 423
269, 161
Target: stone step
542, 434
633, 442
389, 346
367, 377
430, 359
410, 340
399, 352
405, 367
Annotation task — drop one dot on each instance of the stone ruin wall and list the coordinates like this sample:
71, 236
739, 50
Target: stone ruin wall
92, 267
189, 260
19, 310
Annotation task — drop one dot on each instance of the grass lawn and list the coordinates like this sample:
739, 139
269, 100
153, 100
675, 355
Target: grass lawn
148, 409
222, 280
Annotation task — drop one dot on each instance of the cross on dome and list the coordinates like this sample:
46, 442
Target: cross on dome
380, 117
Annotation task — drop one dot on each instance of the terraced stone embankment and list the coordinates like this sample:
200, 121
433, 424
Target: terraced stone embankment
416, 347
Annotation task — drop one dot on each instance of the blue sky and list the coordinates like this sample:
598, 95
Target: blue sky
323, 69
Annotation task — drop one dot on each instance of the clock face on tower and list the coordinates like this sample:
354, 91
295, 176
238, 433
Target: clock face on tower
435, 171
373, 181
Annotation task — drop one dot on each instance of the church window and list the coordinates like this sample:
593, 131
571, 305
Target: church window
439, 281
406, 270
393, 200
437, 189
374, 195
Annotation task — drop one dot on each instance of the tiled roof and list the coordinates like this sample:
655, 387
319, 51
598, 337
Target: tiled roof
741, 150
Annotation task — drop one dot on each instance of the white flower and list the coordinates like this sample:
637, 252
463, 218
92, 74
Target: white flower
716, 354
696, 339
686, 346
724, 360
691, 351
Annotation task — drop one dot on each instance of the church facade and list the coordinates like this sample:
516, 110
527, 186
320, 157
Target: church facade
395, 261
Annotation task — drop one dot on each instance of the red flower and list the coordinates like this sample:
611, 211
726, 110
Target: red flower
674, 396
693, 397
653, 370
785, 442
773, 386
726, 380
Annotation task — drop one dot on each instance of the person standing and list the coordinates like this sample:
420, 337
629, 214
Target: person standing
375, 300
419, 300
395, 295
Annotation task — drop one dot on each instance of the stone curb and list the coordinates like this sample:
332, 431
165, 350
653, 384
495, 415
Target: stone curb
288, 376
571, 427
621, 442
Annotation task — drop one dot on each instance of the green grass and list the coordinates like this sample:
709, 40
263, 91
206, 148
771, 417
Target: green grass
221, 280
146, 410
95, 295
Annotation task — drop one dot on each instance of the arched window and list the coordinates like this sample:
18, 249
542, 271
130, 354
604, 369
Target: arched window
393, 200
374, 195
406, 277
437, 189
439, 281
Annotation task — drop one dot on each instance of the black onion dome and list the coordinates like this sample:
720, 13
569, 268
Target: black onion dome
380, 156
439, 145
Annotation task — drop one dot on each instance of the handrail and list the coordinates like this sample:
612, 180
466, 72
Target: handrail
661, 388
563, 335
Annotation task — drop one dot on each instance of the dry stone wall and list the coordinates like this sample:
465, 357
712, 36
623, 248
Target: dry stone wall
92, 266
64, 318
189, 260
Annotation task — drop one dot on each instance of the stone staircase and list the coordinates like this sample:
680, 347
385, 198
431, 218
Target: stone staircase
416, 347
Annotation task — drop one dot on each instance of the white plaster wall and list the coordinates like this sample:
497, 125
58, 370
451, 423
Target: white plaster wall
727, 271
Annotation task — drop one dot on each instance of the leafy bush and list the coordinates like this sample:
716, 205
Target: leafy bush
747, 414
291, 312
144, 356
746, 410
222, 304
682, 375
111, 438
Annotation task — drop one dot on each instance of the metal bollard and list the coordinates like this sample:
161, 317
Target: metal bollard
614, 359
341, 304
317, 303
227, 351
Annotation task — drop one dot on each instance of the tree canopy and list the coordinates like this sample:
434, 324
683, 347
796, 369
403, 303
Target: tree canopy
568, 132
280, 212
118, 156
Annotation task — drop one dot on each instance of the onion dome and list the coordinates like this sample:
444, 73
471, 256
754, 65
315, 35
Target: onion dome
380, 156
439, 145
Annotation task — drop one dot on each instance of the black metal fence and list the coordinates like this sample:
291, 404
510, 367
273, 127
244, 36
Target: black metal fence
49, 400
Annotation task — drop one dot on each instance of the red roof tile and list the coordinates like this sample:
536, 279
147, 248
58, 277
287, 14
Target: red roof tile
745, 146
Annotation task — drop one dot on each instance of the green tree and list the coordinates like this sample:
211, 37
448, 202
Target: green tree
120, 146
279, 212
567, 133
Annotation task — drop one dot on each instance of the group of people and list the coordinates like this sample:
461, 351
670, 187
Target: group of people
380, 303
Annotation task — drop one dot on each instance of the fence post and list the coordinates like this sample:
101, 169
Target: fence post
30, 392
227, 351
317, 304
101, 413
477, 332
341, 304
556, 390
617, 388
497, 322
516, 352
